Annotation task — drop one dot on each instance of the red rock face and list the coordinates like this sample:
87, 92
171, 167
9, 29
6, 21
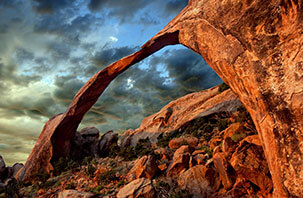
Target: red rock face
255, 47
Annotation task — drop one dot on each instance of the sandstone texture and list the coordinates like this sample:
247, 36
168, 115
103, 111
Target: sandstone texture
145, 167
138, 188
74, 194
199, 181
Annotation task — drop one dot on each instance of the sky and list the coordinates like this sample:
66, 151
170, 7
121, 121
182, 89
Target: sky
50, 48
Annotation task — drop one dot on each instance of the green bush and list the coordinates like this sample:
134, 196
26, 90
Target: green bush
90, 170
222, 124
206, 150
64, 164
108, 177
181, 194
223, 87
71, 185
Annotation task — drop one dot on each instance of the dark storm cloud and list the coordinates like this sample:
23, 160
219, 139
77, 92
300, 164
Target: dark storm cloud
66, 88
190, 71
9, 74
49, 6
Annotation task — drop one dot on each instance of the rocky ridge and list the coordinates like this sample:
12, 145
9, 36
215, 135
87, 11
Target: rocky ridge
216, 155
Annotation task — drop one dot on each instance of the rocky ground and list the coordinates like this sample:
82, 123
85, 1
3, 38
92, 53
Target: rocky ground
216, 154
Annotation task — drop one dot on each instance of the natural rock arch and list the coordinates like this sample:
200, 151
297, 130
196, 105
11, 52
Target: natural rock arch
254, 46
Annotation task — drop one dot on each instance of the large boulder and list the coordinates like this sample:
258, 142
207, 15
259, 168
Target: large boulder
226, 172
199, 181
107, 140
249, 162
180, 161
145, 167
85, 143
138, 188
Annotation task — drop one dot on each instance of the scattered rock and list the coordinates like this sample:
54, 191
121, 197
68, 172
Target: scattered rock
214, 142
180, 161
177, 142
199, 181
199, 158
226, 172
141, 187
249, 162
165, 153
74, 194
107, 140
144, 167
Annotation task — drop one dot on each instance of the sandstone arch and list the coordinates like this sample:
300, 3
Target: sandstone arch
254, 46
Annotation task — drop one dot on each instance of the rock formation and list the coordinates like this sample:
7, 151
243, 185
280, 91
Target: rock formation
254, 46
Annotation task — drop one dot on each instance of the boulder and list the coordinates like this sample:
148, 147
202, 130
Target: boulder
177, 142
199, 181
107, 140
226, 172
141, 187
199, 158
74, 194
165, 153
228, 147
249, 162
180, 161
85, 141
16, 167
3, 171
126, 138
144, 167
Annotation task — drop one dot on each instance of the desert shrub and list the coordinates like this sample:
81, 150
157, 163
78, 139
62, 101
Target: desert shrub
223, 87
107, 177
64, 164
90, 170
163, 139
122, 182
206, 150
143, 147
71, 185
180, 194
12, 188
222, 124
200, 128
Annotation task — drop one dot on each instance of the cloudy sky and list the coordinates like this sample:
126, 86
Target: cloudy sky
50, 48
